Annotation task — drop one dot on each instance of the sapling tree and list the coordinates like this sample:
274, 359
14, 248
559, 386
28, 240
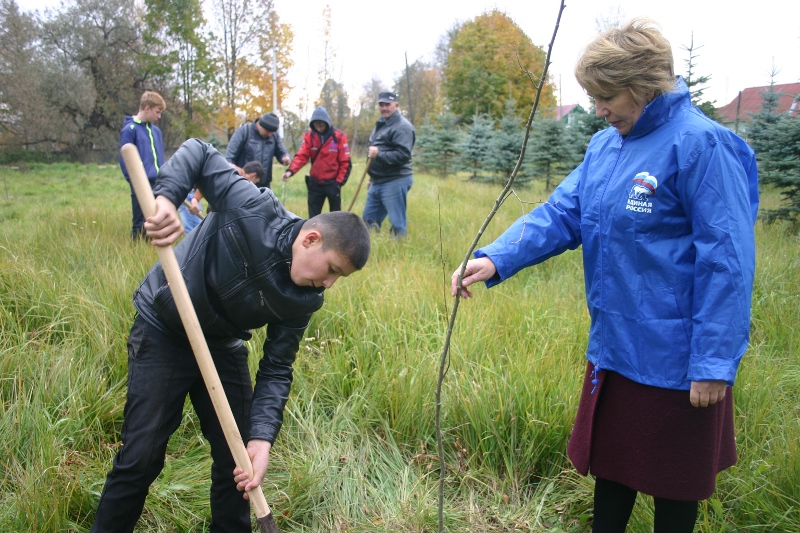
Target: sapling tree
761, 132
784, 155
422, 147
507, 191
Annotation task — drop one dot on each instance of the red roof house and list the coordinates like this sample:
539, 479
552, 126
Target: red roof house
566, 113
750, 101
564, 110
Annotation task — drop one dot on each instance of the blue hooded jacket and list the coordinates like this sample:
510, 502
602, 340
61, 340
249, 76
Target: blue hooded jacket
665, 216
147, 138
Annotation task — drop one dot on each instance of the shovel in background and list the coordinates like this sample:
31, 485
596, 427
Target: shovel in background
189, 206
180, 294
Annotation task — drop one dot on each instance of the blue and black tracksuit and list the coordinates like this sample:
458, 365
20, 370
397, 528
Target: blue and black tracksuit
147, 138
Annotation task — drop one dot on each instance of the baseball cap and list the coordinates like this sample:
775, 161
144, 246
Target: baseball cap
386, 97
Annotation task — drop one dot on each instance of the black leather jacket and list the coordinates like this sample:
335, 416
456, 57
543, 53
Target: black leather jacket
236, 266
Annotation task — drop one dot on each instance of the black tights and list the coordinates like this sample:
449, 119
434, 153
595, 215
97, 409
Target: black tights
613, 503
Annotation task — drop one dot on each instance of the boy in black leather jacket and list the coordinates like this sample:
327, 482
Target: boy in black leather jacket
250, 263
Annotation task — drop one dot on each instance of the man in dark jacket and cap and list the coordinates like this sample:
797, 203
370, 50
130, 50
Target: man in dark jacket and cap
258, 141
327, 149
391, 177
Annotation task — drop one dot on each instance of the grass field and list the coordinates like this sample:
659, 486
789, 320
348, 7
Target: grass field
357, 452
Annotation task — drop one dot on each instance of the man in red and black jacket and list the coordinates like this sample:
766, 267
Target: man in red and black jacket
327, 149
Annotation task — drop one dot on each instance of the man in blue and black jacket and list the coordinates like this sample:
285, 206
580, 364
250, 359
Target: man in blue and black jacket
140, 131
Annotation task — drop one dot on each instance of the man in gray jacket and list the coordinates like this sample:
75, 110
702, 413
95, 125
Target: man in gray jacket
258, 141
391, 177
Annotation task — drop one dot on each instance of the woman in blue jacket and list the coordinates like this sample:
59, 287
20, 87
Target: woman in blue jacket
664, 205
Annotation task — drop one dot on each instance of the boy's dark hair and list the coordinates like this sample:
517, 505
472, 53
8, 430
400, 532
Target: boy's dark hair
345, 232
254, 167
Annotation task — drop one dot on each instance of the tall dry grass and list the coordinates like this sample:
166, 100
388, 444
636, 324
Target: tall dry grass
357, 452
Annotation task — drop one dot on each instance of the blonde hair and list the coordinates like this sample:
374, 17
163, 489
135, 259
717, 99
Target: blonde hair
635, 56
152, 99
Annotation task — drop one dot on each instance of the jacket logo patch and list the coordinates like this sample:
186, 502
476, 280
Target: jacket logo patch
643, 189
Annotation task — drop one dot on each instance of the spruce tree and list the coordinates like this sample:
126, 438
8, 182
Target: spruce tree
778, 154
584, 128
551, 150
505, 145
475, 145
761, 131
696, 84
423, 158
439, 145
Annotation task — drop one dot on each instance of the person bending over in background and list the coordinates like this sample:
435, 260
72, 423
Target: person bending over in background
140, 131
190, 215
664, 205
252, 171
327, 149
250, 263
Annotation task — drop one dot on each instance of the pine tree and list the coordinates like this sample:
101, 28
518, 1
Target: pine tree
584, 128
551, 150
777, 145
506, 144
439, 145
475, 145
761, 131
696, 84
423, 156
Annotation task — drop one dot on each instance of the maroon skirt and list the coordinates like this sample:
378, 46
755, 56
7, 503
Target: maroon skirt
651, 439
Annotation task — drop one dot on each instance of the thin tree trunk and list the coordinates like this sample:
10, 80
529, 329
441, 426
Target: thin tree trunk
506, 192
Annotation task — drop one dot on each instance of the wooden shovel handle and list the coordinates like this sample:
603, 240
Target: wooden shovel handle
189, 206
191, 324
358, 189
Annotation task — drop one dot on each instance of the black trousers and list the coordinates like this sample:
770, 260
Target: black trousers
161, 372
137, 226
318, 191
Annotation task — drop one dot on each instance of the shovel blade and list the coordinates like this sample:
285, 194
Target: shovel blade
266, 524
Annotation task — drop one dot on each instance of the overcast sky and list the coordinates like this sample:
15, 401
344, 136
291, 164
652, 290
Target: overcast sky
740, 44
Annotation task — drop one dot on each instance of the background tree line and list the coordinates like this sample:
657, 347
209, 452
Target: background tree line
477, 67
487, 149
69, 76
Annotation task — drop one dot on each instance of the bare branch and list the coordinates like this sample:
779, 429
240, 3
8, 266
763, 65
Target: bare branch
444, 361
